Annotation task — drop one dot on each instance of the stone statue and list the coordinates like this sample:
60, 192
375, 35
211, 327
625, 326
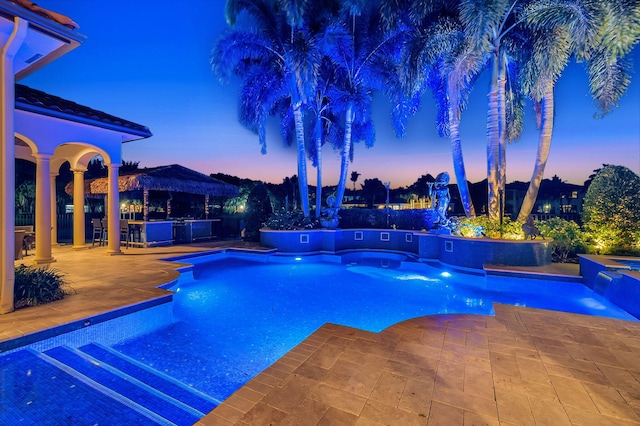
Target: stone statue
441, 198
530, 230
329, 215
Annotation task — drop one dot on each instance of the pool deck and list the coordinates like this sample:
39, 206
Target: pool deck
522, 367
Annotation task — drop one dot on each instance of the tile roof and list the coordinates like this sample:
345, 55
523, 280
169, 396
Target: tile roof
28, 99
49, 14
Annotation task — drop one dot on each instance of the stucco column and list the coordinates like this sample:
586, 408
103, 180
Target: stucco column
78, 210
10, 46
43, 206
206, 206
54, 210
113, 211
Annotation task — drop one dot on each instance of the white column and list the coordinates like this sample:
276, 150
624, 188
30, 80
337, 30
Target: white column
206, 206
54, 210
113, 211
78, 210
43, 205
7, 164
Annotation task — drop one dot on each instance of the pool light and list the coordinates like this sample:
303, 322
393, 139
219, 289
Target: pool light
445, 274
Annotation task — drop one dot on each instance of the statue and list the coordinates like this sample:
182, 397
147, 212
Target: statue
530, 229
441, 198
329, 215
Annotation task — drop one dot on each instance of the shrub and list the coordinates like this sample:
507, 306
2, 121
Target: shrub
288, 220
568, 238
363, 218
377, 218
611, 212
34, 286
257, 212
483, 226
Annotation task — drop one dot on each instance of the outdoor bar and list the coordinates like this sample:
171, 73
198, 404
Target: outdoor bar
150, 209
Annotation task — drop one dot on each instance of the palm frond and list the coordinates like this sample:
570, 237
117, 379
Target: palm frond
621, 27
482, 20
295, 10
237, 51
579, 18
608, 81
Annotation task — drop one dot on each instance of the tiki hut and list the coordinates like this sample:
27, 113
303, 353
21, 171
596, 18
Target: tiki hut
166, 181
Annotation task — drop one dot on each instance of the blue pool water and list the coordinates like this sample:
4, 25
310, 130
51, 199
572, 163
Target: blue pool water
235, 316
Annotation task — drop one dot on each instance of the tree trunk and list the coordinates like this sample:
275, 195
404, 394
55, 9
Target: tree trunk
502, 130
318, 138
296, 105
493, 142
346, 148
458, 163
544, 146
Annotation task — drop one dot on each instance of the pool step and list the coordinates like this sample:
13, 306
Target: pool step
154, 378
140, 390
34, 391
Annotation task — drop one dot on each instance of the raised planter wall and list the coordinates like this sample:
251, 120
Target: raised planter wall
458, 251
475, 252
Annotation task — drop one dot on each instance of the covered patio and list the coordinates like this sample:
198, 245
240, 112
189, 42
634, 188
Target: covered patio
48, 131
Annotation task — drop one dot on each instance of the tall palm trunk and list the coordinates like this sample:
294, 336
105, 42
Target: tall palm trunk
318, 139
502, 144
296, 106
346, 149
493, 140
458, 164
544, 146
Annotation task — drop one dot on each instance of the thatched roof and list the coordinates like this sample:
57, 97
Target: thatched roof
174, 178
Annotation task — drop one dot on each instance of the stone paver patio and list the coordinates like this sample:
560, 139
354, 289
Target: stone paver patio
522, 367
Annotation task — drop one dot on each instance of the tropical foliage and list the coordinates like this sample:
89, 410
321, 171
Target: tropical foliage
484, 226
287, 220
258, 211
611, 211
568, 238
316, 65
35, 286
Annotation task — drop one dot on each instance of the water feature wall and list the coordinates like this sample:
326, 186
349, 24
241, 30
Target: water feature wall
457, 251
613, 279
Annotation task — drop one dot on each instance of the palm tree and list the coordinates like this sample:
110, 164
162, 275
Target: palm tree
603, 33
269, 49
438, 56
352, 43
488, 24
354, 178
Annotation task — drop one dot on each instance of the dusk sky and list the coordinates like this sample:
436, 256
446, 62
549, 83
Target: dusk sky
149, 62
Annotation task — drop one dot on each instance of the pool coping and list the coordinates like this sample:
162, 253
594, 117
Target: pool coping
28, 339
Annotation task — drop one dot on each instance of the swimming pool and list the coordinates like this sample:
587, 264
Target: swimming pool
235, 316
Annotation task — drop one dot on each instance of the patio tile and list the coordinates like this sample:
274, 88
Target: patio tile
335, 417
546, 412
387, 414
308, 413
337, 398
445, 415
514, 408
388, 389
610, 402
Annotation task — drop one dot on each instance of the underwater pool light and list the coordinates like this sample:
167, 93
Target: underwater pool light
445, 274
